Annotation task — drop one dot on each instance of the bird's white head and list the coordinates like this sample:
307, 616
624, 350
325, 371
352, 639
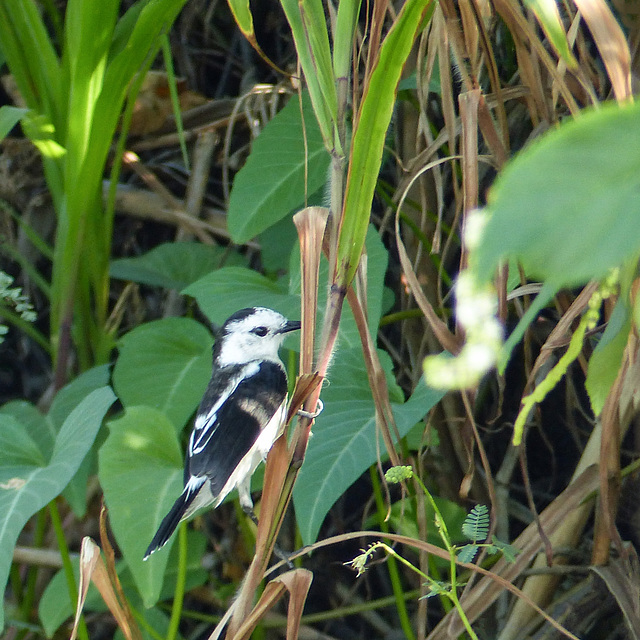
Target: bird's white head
250, 334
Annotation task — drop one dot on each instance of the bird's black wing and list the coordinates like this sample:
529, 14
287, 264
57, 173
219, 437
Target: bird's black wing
230, 418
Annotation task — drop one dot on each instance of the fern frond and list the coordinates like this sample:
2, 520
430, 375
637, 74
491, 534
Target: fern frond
476, 525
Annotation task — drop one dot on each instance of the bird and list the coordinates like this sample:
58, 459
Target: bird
241, 415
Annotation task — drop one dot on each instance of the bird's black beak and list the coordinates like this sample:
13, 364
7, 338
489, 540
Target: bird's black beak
292, 325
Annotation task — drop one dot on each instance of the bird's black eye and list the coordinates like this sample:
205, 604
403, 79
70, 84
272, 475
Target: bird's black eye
260, 331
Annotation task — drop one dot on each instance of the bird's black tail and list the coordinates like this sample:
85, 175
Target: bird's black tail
171, 521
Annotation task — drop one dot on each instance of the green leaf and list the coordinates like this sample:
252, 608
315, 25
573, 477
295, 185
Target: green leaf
271, 184
242, 15
567, 207
606, 359
27, 484
44, 429
343, 445
33, 423
312, 44
165, 365
546, 11
75, 493
229, 289
174, 265
17, 448
9, 118
346, 21
507, 550
476, 525
369, 136
141, 472
467, 553
72, 394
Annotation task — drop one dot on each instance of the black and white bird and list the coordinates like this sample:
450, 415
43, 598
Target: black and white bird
240, 416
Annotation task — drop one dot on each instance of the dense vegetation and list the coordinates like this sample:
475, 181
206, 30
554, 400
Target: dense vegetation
407, 178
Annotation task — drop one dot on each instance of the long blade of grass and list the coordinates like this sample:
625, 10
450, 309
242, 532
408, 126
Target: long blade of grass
32, 58
309, 29
370, 131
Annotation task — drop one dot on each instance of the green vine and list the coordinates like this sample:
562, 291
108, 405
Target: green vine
475, 528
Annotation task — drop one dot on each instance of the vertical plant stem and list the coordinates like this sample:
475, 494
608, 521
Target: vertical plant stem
67, 566
394, 574
178, 596
30, 588
175, 100
453, 596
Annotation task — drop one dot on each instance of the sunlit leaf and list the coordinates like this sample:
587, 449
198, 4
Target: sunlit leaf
576, 188
28, 482
141, 470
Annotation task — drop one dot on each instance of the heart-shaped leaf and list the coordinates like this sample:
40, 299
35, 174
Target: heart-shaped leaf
343, 445
27, 481
165, 365
141, 474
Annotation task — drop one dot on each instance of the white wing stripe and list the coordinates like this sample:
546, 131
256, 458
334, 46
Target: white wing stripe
207, 424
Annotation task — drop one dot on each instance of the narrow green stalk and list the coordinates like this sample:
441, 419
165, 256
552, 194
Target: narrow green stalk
394, 574
83, 634
144, 625
181, 578
404, 473
450, 593
29, 596
175, 100
399, 316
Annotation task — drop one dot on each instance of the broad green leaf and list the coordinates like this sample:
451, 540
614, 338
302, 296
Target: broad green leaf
277, 243
70, 396
229, 289
75, 493
271, 184
165, 365
17, 448
606, 359
567, 206
44, 429
174, 265
9, 118
33, 423
367, 146
27, 483
343, 445
55, 607
141, 471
